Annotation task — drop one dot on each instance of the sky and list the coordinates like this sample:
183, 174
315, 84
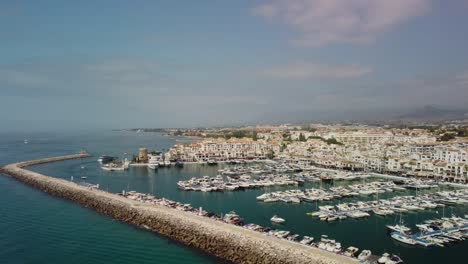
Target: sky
173, 63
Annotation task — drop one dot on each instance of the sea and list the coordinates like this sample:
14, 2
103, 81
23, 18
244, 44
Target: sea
38, 228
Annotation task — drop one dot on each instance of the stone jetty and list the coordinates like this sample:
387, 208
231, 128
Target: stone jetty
228, 242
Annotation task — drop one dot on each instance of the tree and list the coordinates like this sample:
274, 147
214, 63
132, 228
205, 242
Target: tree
239, 133
333, 141
254, 135
302, 137
447, 137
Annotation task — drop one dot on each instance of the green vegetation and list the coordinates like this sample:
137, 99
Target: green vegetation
302, 137
333, 141
447, 137
254, 135
317, 137
330, 141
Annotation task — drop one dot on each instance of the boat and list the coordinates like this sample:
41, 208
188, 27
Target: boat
306, 240
26, 141
153, 162
399, 228
327, 178
211, 162
167, 163
403, 238
278, 220
179, 164
82, 167
116, 166
365, 255
233, 218
384, 258
351, 251
394, 259
105, 159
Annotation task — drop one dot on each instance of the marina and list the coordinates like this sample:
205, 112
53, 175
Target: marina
163, 183
212, 237
324, 243
436, 232
218, 183
314, 195
397, 204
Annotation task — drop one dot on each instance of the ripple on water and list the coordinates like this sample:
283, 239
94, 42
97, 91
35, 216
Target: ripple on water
37, 228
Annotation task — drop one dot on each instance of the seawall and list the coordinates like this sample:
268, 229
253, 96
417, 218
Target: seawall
229, 242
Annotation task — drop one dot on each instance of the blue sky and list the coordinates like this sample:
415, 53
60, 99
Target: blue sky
70, 64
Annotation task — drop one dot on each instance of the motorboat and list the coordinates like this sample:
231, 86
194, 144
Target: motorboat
384, 258
278, 220
394, 259
116, 166
211, 162
306, 240
154, 161
365, 255
403, 239
351, 251
105, 159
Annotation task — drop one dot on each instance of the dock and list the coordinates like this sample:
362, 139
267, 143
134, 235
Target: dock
228, 242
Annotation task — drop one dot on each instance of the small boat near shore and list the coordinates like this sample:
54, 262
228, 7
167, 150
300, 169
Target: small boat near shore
277, 219
365, 255
116, 166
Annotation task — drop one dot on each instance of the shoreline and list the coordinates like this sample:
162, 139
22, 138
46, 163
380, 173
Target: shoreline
228, 242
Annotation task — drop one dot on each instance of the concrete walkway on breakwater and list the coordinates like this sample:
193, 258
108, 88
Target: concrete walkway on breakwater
225, 241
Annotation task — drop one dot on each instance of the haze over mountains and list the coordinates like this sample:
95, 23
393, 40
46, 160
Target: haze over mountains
434, 113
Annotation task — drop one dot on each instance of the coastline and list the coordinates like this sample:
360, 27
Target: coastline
226, 241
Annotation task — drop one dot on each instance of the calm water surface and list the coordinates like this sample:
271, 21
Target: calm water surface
45, 229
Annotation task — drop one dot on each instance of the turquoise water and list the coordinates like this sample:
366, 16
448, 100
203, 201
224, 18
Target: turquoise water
140, 245
38, 228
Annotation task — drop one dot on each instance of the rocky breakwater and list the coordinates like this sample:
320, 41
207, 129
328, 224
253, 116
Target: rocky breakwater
225, 241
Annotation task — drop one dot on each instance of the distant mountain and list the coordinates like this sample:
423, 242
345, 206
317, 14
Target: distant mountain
433, 113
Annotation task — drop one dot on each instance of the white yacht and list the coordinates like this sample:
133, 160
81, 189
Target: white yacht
403, 239
384, 258
153, 161
306, 240
351, 251
276, 219
116, 166
365, 255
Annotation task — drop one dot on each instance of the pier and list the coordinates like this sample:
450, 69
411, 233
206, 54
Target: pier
228, 242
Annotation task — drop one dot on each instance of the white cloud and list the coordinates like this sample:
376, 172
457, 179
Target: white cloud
302, 70
322, 22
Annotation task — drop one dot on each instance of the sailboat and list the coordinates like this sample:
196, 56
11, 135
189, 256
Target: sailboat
400, 227
82, 168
